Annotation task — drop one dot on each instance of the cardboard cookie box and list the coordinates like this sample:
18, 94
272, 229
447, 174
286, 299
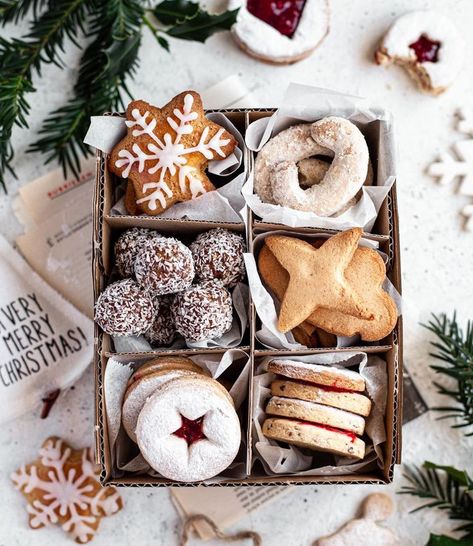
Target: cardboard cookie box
108, 226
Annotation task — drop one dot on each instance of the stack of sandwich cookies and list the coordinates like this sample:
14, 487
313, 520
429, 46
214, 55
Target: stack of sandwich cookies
183, 421
318, 407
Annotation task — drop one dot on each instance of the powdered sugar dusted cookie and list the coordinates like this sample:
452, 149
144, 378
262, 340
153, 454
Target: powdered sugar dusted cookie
280, 32
137, 393
189, 437
285, 161
428, 45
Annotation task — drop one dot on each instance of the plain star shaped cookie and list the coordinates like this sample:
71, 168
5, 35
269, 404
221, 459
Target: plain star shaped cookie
317, 277
166, 151
62, 488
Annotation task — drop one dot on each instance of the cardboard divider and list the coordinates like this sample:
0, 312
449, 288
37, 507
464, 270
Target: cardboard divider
107, 228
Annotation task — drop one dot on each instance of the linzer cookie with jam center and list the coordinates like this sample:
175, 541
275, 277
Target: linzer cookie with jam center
166, 151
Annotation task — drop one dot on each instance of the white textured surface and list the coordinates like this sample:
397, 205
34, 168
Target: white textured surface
437, 265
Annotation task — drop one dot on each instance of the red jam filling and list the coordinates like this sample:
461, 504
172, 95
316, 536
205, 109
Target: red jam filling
191, 431
350, 435
425, 49
283, 15
331, 388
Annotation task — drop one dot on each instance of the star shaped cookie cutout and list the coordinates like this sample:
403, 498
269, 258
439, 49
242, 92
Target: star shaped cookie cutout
317, 277
166, 151
62, 488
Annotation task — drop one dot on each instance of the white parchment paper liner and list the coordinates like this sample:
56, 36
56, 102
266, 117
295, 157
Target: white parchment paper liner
303, 103
267, 307
280, 460
222, 205
125, 454
232, 338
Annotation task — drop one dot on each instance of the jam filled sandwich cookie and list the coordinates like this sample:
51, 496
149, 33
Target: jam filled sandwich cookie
281, 31
320, 408
166, 151
428, 46
348, 298
287, 174
146, 380
188, 430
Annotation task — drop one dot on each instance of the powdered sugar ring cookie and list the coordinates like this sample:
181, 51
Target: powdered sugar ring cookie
341, 182
188, 437
280, 32
428, 45
137, 393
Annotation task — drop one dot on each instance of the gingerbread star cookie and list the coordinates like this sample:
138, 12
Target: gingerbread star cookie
62, 487
365, 273
317, 277
166, 151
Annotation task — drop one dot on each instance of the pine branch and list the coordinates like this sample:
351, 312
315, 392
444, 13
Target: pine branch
454, 348
445, 488
15, 10
109, 59
20, 58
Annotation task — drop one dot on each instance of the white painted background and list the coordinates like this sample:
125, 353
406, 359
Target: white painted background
437, 262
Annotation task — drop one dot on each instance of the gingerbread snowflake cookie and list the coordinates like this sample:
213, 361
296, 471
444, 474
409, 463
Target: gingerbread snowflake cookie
428, 45
166, 151
62, 488
280, 32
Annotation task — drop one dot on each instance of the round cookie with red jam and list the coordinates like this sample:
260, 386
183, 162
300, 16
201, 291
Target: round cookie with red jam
164, 266
185, 437
218, 255
203, 311
428, 46
124, 309
127, 247
280, 31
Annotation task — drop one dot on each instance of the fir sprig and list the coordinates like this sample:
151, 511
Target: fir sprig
454, 348
445, 488
112, 30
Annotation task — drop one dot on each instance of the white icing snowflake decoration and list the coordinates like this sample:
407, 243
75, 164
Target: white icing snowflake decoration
62, 488
459, 165
168, 154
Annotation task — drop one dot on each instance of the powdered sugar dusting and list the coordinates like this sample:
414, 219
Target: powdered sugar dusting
161, 417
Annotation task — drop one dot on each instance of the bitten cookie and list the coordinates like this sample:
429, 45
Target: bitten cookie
166, 151
302, 410
315, 436
186, 437
428, 46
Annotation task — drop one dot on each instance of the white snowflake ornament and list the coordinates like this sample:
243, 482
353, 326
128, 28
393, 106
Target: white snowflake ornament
459, 164
166, 152
62, 488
